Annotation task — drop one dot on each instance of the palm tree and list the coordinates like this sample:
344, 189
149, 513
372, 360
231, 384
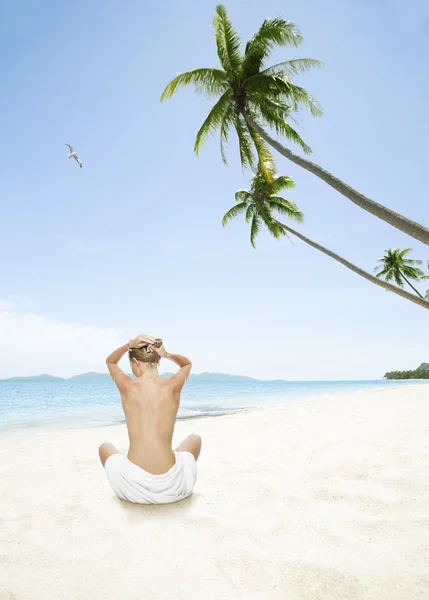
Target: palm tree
260, 202
394, 266
251, 96
427, 291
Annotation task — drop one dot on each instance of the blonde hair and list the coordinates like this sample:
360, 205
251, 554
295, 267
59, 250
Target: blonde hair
143, 356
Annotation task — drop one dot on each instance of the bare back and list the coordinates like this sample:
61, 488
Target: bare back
150, 405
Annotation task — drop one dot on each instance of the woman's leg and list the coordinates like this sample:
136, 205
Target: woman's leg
106, 450
191, 444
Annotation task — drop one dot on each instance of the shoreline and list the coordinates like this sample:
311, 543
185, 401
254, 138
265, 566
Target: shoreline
6, 434
18, 433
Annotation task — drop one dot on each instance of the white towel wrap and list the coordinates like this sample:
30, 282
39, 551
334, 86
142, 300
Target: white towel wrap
132, 483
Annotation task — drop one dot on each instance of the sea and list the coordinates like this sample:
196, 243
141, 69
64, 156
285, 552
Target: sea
40, 407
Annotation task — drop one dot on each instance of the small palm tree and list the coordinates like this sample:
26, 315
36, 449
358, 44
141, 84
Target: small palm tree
394, 266
261, 202
251, 96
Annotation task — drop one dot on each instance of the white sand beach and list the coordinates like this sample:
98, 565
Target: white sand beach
323, 500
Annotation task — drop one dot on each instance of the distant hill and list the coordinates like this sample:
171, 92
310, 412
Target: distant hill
216, 377
32, 378
91, 376
94, 377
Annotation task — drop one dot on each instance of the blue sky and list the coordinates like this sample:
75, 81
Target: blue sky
133, 242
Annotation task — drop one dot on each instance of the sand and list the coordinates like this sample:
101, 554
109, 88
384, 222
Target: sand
323, 500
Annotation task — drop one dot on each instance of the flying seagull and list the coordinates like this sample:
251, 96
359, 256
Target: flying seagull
74, 155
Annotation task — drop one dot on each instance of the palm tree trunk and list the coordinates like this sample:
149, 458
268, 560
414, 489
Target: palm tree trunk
357, 270
415, 230
411, 285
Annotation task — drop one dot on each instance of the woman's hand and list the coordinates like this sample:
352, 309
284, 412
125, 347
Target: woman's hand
160, 350
142, 340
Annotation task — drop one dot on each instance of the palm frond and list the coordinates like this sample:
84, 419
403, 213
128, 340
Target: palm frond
213, 121
277, 231
268, 111
276, 87
242, 196
291, 134
234, 212
244, 142
273, 86
304, 98
267, 166
398, 278
413, 272
410, 262
286, 208
289, 68
227, 122
213, 81
402, 253
381, 270
273, 116
250, 212
269, 221
254, 229
227, 41
282, 229
276, 32
263, 210
283, 182
273, 32
386, 274
281, 109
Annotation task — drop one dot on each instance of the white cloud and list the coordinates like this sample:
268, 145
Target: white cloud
32, 344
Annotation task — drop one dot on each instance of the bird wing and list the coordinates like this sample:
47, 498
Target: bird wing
78, 160
71, 148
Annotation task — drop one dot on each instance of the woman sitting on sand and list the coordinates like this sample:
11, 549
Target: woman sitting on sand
151, 473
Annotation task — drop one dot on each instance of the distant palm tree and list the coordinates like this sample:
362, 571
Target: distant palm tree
260, 202
251, 96
395, 266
